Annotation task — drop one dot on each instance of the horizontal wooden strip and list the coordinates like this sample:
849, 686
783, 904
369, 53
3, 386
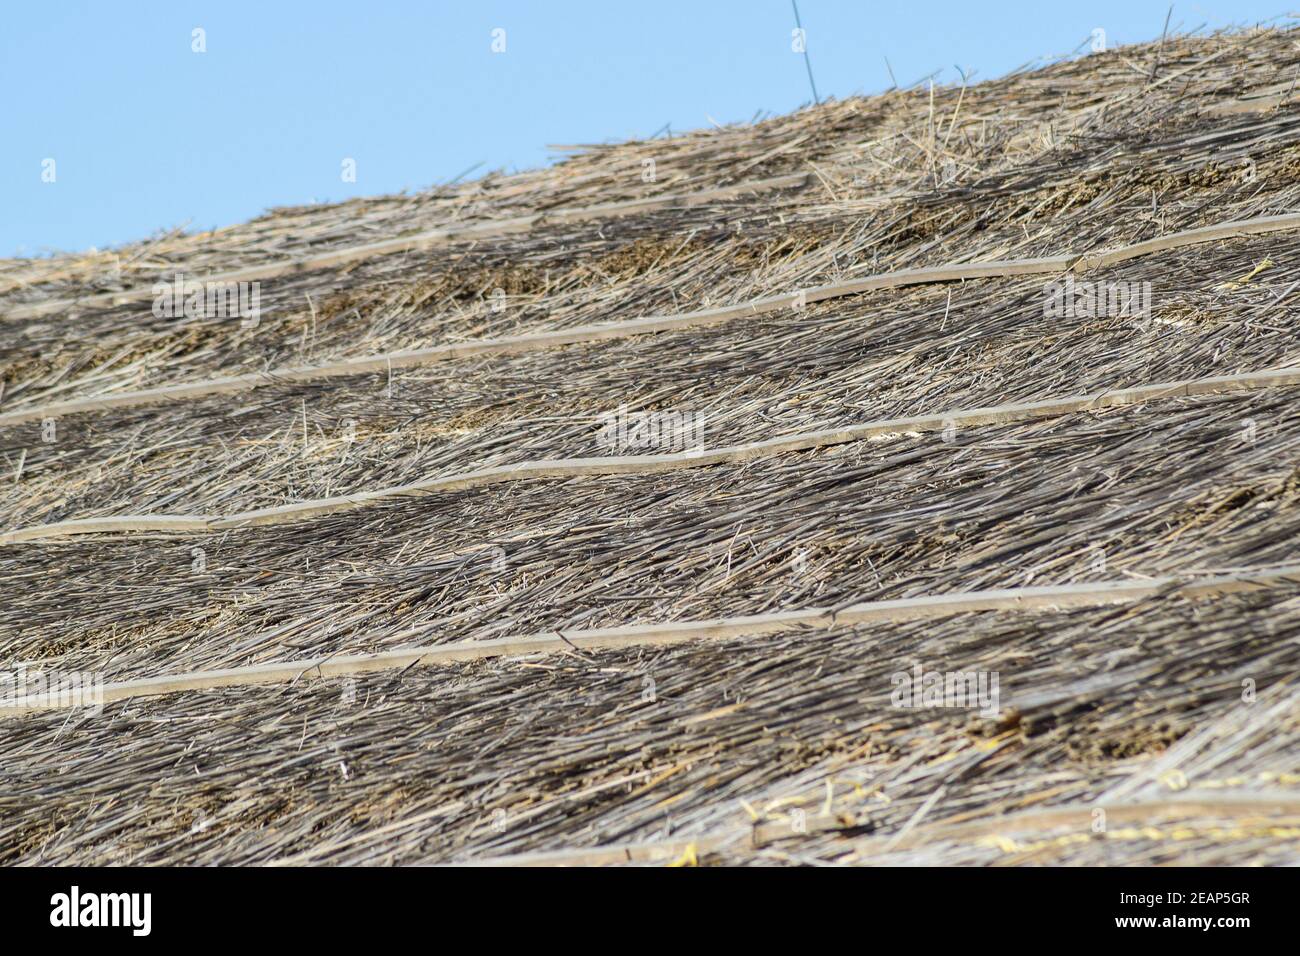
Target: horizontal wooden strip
113, 523
511, 345
424, 240
562, 468
1192, 805
1053, 597
1258, 101
1177, 240
1181, 806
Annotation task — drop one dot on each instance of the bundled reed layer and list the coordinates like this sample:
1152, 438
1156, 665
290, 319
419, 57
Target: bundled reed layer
1077, 498
782, 748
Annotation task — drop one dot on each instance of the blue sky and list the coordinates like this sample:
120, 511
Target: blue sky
147, 135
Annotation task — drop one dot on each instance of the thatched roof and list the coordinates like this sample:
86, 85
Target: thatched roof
368, 580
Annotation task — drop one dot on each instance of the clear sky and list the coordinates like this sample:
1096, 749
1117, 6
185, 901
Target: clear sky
147, 134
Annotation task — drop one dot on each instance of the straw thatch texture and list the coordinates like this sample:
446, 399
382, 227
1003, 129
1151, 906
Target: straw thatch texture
882, 355
1175, 715
1168, 487
512, 756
